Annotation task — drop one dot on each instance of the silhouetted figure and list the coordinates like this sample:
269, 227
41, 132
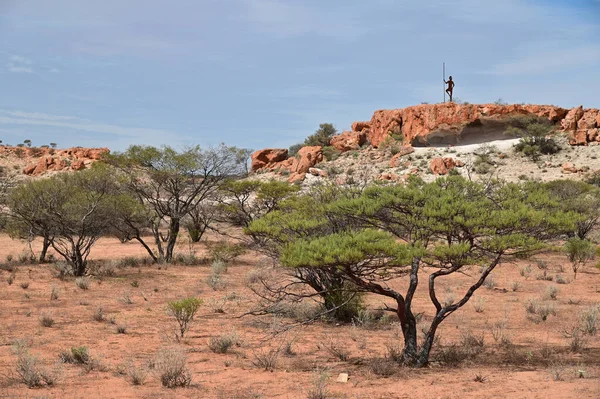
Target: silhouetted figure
450, 88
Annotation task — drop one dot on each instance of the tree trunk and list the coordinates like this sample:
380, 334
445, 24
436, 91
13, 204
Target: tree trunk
79, 265
173, 233
45, 247
408, 323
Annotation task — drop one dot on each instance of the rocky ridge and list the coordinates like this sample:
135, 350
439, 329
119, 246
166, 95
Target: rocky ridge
425, 125
38, 161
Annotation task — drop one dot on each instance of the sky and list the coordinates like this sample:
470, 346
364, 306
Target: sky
266, 73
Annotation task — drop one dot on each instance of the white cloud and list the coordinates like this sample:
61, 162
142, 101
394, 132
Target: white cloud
19, 64
10, 67
139, 134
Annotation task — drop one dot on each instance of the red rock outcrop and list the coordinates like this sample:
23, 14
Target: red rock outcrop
266, 157
275, 159
450, 122
43, 160
441, 166
395, 161
348, 141
583, 125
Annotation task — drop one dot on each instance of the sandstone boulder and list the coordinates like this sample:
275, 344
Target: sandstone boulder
348, 141
568, 167
267, 156
441, 166
395, 161
360, 126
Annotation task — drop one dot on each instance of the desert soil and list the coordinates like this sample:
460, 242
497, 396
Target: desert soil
524, 368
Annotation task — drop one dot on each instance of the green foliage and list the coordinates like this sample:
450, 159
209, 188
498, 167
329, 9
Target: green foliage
184, 311
578, 252
533, 138
580, 198
382, 233
322, 136
171, 184
70, 210
294, 148
331, 153
243, 201
225, 252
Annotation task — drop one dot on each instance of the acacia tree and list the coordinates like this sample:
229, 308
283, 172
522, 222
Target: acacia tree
171, 183
295, 218
439, 228
579, 197
72, 211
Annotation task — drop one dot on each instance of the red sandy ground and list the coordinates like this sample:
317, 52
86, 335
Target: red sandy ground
233, 375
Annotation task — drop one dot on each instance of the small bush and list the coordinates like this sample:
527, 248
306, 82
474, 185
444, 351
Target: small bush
223, 342
47, 320
184, 311
318, 389
80, 355
32, 374
337, 349
62, 270
54, 294
225, 252
121, 329
479, 305
541, 310
525, 272
515, 286
551, 292
489, 282
577, 342
170, 365
383, 367
83, 283
24, 285
266, 359
136, 375
99, 315
560, 279
588, 320
10, 279
216, 281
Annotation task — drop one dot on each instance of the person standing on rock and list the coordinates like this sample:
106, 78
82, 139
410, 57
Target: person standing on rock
450, 88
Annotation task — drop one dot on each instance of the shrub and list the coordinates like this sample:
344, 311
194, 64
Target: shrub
337, 349
225, 252
80, 355
99, 314
54, 294
578, 252
47, 320
534, 139
266, 359
478, 304
489, 282
223, 342
82, 282
515, 286
331, 153
24, 285
136, 375
170, 365
32, 374
383, 367
588, 320
318, 389
542, 310
322, 136
216, 281
184, 311
551, 292
121, 329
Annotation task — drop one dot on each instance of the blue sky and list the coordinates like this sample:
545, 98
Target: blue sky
265, 73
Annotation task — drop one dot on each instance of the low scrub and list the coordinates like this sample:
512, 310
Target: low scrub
171, 368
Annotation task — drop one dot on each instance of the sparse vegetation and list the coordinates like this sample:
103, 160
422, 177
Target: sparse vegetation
170, 365
184, 312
